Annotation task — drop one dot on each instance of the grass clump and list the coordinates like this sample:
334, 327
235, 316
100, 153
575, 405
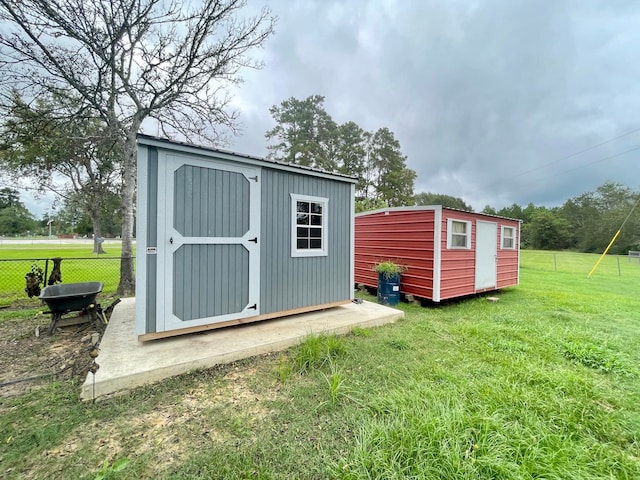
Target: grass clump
317, 351
593, 356
399, 344
360, 332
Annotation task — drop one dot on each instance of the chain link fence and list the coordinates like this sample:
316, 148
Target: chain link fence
569, 262
22, 279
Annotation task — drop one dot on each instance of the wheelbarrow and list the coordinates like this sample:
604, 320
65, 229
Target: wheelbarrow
72, 297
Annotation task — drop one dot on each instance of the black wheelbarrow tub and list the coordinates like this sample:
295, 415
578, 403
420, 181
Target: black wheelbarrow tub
68, 297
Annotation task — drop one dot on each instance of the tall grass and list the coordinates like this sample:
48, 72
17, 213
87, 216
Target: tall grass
543, 384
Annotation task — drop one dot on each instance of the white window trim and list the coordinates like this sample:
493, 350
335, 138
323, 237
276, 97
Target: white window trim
502, 237
295, 252
450, 234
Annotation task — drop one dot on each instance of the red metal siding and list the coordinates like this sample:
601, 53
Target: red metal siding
508, 259
457, 266
405, 237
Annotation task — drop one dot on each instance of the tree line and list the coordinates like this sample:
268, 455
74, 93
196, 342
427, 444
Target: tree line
586, 223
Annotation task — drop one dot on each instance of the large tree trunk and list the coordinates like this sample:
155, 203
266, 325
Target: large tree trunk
127, 284
96, 220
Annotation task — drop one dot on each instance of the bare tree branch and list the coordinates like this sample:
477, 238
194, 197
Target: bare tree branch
129, 60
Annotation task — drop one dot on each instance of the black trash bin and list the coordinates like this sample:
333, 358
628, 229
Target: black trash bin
388, 289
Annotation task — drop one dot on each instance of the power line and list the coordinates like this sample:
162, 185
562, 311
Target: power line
579, 167
566, 157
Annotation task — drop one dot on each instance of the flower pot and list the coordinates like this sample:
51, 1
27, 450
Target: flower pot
388, 289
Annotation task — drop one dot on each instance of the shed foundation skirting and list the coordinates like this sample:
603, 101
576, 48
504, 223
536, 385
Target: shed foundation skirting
239, 321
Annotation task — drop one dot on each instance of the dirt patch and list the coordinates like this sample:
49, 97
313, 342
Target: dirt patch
241, 395
31, 356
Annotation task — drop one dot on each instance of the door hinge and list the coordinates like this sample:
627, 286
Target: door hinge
255, 179
253, 307
254, 240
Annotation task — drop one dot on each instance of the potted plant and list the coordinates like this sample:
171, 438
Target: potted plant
389, 281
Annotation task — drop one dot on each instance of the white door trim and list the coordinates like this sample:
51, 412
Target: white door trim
169, 240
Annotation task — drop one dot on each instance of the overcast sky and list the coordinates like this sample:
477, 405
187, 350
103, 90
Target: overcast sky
486, 97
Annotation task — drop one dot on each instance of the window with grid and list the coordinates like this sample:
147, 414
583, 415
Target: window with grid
459, 234
508, 238
309, 226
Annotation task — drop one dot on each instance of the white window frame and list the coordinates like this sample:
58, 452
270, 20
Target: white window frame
308, 252
503, 237
450, 245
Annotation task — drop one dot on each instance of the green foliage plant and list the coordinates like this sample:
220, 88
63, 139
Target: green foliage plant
389, 269
106, 470
591, 355
284, 370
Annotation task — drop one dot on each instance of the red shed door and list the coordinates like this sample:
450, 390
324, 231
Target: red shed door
486, 255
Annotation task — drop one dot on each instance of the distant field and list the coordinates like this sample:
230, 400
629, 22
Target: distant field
570, 262
49, 249
79, 265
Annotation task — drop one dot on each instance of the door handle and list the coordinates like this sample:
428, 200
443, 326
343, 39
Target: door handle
171, 240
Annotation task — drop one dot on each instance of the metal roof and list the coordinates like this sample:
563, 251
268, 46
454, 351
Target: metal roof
431, 207
151, 140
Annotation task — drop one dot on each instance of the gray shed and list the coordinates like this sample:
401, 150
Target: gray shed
224, 239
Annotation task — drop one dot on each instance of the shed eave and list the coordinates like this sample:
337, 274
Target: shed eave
414, 208
163, 143
419, 208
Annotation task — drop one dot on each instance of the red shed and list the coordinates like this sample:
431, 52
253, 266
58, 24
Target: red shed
447, 252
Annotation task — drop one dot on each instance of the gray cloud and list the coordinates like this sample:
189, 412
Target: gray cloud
476, 92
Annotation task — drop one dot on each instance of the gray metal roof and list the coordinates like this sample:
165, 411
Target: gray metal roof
150, 140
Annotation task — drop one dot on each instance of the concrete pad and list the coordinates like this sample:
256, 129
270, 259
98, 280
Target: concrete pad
127, 363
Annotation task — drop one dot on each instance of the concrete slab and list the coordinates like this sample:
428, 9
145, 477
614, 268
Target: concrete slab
127, 363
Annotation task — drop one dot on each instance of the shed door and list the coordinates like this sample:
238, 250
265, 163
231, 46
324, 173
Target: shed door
486, 255
212, 236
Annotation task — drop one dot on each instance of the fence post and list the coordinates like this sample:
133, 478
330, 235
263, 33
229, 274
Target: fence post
619, 272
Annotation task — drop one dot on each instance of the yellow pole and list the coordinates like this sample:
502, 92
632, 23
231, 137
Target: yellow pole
604, 253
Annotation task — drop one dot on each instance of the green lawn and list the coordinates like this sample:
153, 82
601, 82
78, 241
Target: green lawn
542, 384
78, 265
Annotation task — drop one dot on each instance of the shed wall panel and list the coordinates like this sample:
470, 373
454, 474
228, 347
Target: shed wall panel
152, 240
508, 259
288, 282
405, 237
458, 266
